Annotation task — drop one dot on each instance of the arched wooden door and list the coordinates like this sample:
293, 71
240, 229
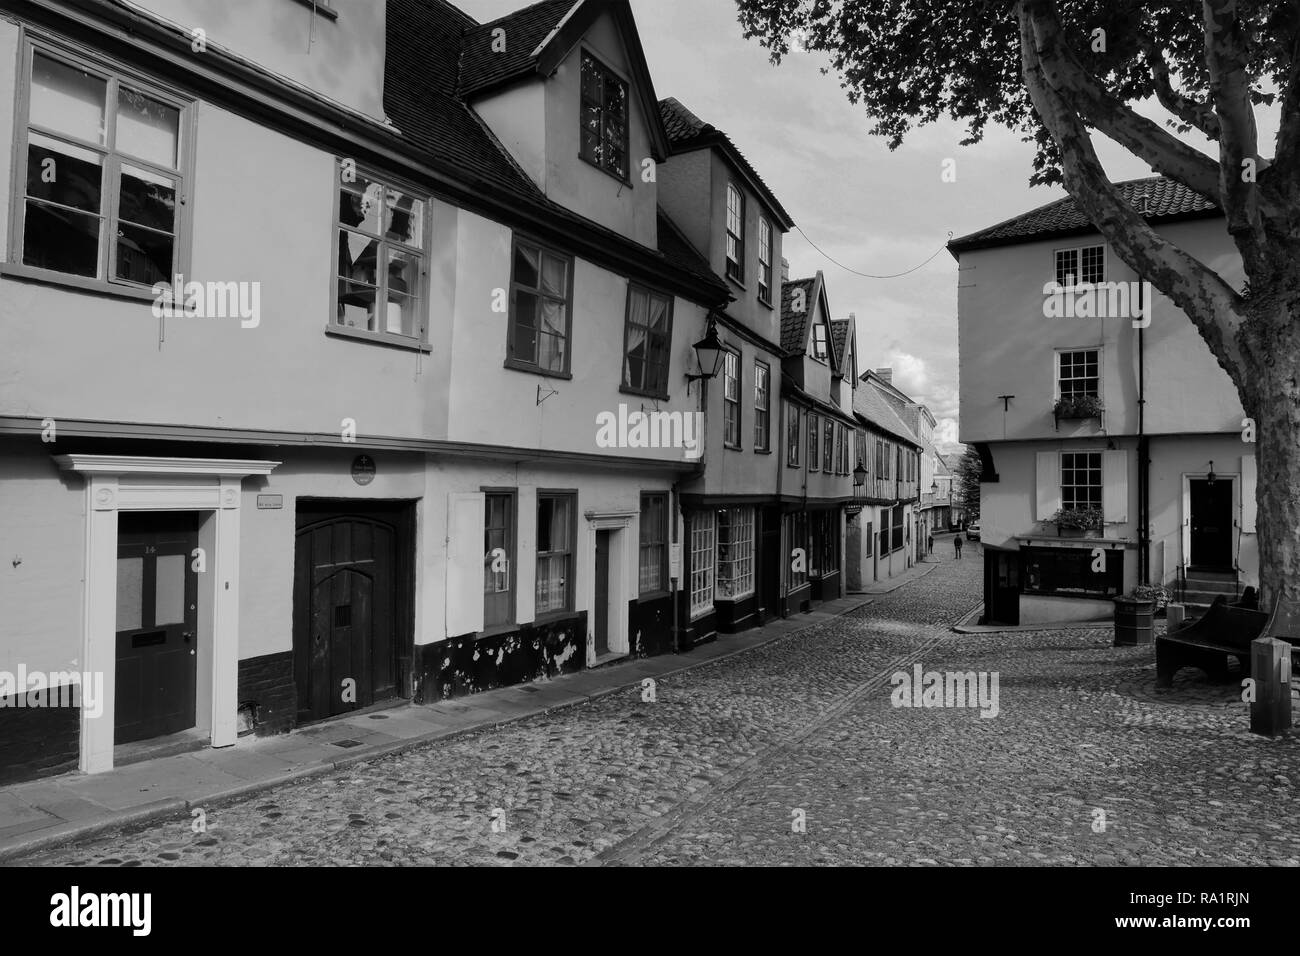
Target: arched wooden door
347, 592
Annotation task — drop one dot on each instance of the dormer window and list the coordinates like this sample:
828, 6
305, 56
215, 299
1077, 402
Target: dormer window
735, 233
604, 118
819, 342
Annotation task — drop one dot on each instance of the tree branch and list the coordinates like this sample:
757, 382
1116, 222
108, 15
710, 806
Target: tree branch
1230, 85
1211, 304
1191, 111
1110, 115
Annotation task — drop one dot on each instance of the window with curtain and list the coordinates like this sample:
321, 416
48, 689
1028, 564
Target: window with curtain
654, 544
795, 529
381, 256
814, 443
604, 127
828, 446
731, 399
103, 189
648, 332
764, 260
554, 553
735, 553
762, 404
498, 559
702, 553
539, 309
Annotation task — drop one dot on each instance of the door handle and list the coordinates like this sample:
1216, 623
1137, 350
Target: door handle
187, 635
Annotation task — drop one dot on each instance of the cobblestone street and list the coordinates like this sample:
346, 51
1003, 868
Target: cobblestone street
1084, 763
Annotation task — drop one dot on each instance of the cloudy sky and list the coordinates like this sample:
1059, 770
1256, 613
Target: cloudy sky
873, 210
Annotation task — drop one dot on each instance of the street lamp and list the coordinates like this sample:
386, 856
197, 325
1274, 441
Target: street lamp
1209, 479
708, 352
859, 475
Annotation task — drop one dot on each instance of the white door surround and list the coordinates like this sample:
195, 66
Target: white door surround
210, 486
621, 581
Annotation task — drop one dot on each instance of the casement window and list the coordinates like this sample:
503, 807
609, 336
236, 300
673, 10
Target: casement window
825, 542
647, 334
1078, 373
1081, 480
881, 471
1068, 572
844, 453
735, 553
541, 298
735, 233
819, 349
828, 446
1084, 265
762, 406
702, 553
654, 544
814, 443
764, 261
100, 188
381, 258
793, 436
795, 528
731, 399
555, 534
604, 132
897, 528
498, 559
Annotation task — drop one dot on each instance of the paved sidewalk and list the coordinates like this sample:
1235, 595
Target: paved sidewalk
918, 570
70, 807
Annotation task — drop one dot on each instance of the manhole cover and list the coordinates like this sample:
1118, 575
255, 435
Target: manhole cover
529, 690
378, 716
347, 743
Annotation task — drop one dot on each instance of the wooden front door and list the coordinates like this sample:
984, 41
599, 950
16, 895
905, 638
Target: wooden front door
602, 593
1211, 521
1002, 587
157, 624
347, 610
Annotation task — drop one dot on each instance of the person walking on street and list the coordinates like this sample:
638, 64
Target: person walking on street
956, 543
929, 542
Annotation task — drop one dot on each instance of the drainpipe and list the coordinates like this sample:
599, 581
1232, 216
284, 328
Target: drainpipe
1144, 458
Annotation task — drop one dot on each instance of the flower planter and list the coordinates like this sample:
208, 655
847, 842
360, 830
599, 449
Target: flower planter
1134, 621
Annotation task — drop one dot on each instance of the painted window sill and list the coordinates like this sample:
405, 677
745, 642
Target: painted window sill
519, 366
16, 270
322, 8
379, 338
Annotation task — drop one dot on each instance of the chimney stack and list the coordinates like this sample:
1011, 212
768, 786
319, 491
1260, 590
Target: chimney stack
886, 375
785, 269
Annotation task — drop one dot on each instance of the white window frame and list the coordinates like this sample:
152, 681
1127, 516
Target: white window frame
1078, 252
764, 261
735, 265
1056, 367
735, 573
701, 539
113, 74
1101, 476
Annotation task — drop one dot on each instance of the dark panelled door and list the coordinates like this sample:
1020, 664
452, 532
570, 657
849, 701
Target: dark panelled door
345, 614
157, 624
1211, 507
602, 593
769, 561
1002, 586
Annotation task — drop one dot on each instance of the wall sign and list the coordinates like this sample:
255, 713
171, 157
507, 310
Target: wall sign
270, 502
363, 469
675, 561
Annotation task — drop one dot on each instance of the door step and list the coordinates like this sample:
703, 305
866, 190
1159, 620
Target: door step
171, 745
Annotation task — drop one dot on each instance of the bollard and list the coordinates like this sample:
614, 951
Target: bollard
1270, 666
1175, 614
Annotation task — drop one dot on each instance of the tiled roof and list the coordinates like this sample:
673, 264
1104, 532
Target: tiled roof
876, 409
420, 95
482, 67
1166, 201
686, 131
424, 44
840, 337
794, 325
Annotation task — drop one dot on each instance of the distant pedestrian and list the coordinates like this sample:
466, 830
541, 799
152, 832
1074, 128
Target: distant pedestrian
956, 543
929, 544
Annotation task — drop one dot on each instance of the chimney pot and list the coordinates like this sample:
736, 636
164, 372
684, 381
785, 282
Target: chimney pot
785, 269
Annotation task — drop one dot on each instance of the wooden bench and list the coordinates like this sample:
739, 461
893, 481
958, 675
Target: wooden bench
1225, 631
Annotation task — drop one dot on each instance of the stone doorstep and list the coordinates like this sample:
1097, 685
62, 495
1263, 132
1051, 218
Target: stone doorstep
101, 802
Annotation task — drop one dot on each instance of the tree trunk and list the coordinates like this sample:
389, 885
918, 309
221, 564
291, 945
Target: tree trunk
1276, 410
